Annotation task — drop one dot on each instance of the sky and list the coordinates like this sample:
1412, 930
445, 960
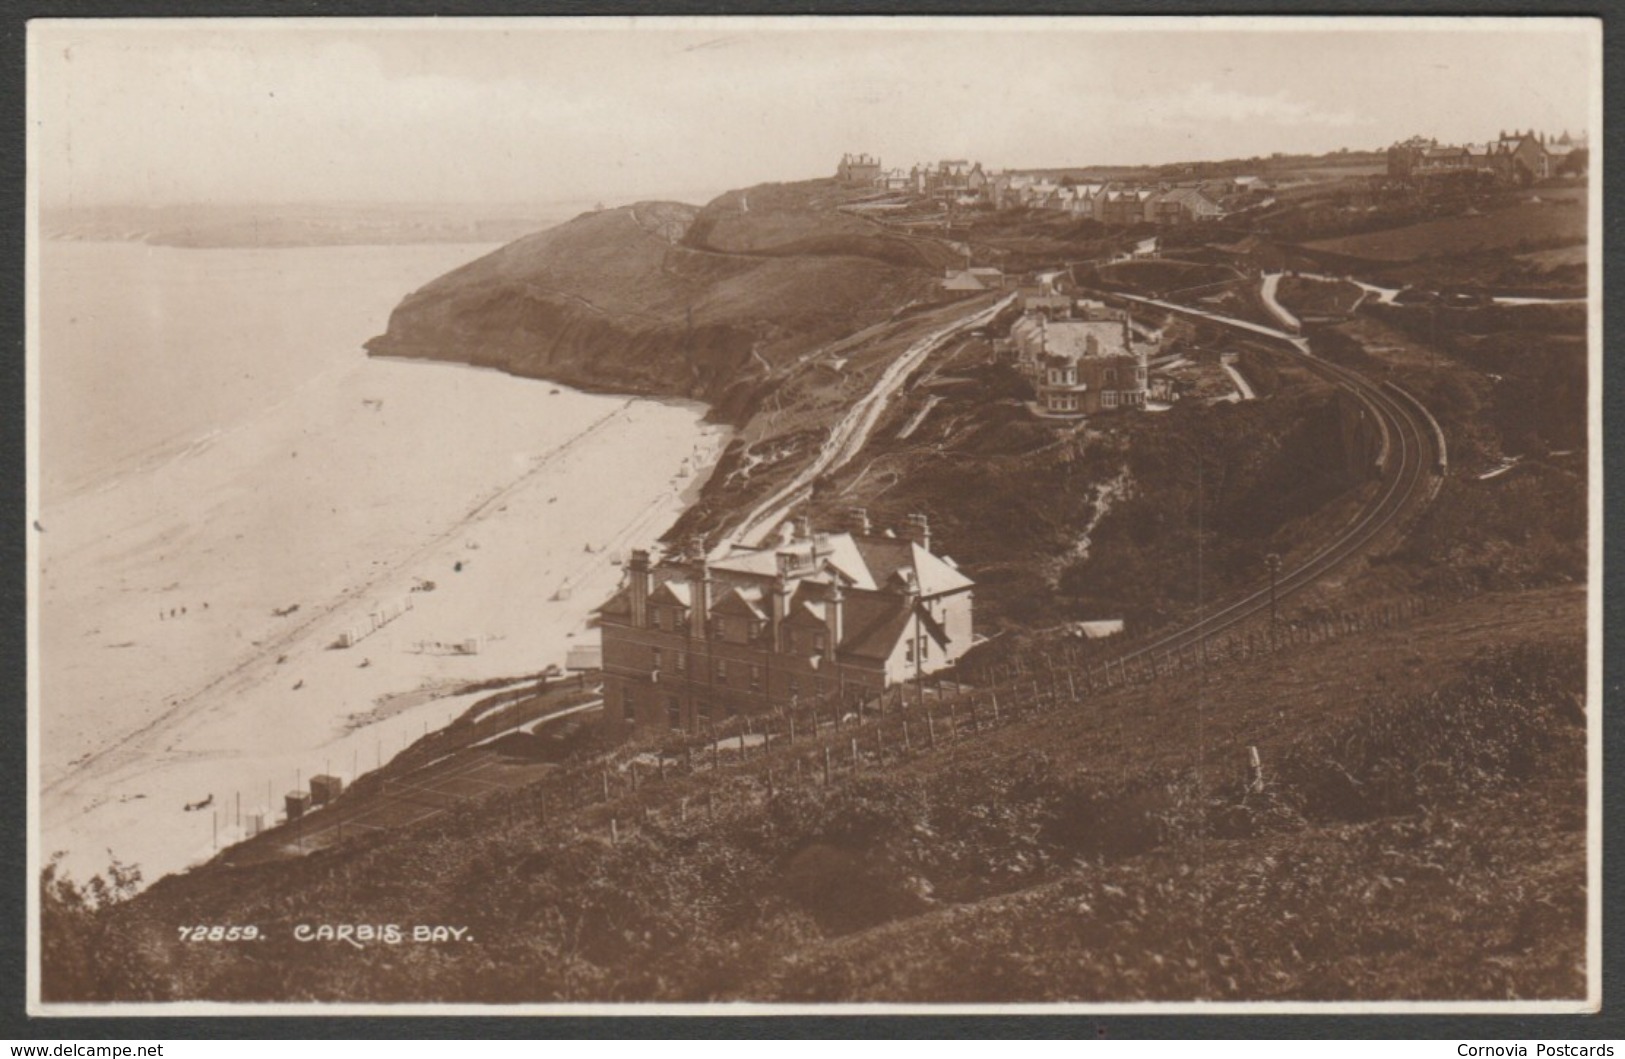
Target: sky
547, 110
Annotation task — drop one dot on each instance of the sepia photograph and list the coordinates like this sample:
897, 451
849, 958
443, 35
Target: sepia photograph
709, 515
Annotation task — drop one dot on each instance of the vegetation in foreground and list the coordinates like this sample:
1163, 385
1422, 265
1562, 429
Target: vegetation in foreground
1425, 843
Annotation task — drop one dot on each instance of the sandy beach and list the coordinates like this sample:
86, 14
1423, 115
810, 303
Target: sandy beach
188, 609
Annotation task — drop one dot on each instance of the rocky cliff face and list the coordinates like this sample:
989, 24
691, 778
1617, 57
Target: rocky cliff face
639, 300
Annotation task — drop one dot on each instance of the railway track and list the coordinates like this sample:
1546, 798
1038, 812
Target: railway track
1410, 457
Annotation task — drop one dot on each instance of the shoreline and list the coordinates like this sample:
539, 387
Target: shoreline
209, 735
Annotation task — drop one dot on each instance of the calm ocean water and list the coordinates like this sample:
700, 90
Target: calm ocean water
149, 350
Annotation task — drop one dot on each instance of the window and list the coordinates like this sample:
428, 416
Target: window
674, 712
756, 678
795, 685
1108, 398
1111, 374
655, 618
818, 642
681, 658
722, 671
655, 658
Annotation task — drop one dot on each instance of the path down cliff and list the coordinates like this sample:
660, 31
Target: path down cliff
850, 433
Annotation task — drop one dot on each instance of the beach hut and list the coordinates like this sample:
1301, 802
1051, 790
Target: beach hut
324, 789
297, 803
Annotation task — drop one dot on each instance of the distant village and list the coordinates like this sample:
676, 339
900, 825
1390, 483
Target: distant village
1510, 158
963, 183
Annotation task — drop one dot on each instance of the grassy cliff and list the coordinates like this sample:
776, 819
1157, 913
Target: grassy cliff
663, 299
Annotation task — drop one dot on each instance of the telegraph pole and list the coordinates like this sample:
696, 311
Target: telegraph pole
1273, 561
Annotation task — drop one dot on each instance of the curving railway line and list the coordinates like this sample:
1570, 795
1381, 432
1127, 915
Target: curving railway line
1410, 459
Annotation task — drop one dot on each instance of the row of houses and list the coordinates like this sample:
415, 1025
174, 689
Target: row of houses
966, 183
1121, 203
950, 179
1517, 157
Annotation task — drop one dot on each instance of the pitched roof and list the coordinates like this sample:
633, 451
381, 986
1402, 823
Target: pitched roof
963, 281
619, 605
671, 592
745, 600
1081, 339
876, 622
933, 574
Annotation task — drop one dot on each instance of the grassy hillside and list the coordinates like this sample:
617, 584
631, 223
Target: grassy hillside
1522, 227
617, 300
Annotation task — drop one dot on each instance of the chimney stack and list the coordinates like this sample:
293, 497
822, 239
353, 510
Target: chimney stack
918, 530
641, 577
779, 606
835, 617
699, 608
803, 528
858, 521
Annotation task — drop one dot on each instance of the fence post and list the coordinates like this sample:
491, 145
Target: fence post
930, 729
614, 833
995, 707
854, 752
605, 775
826, 765
907, 746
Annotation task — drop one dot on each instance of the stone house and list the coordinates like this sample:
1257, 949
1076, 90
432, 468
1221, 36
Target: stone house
815, 616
